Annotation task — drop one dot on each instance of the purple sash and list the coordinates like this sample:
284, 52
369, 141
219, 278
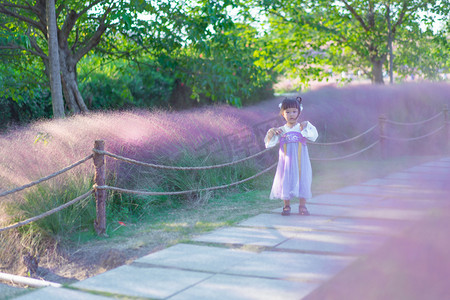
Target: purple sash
292, 137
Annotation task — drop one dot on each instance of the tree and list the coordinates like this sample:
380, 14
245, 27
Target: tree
53, 55
81, 26
157, 27
342, 35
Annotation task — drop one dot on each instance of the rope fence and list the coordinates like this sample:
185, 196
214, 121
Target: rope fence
348, 140
33, 183
416, 123
414, 138
48, 213
100, 188
146, 193
140, 163
348, 155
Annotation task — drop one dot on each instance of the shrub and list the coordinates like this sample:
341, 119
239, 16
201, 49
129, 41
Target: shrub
122, 85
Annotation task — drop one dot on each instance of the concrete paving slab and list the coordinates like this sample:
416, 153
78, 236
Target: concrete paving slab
396, 183
380, 211
292, 266
52, 293
413, 266
436, 185
359, 190
246, 236
418, 177
404, 184
225, 287
384, 191
293, 222
372, 226
412, 204
439, 170
391, 183
349, 200
333, 242
443, 163
197, 258
8, 292
142, 282
386, 213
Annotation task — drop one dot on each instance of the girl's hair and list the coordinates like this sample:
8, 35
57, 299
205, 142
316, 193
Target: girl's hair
291, 103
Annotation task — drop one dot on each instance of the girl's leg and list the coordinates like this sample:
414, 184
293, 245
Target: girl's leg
287, 208
302, 207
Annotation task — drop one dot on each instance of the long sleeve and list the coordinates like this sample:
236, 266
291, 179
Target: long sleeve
310, 132
272, 142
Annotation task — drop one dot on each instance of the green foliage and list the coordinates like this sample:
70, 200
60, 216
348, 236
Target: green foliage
25, 111
220, 70
315, 39
24, 90
200, 50
428, 55
57, 226
223, 68
158, 53
118, 84
22, 99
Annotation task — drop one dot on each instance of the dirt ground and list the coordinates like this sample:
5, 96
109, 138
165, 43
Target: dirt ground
96, 258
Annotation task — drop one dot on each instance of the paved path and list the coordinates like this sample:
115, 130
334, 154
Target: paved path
270, 256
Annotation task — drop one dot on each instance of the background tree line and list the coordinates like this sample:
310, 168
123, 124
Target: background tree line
115, 54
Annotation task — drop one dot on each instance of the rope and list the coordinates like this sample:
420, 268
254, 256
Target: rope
347, 156
129, 160
414, 138
48, 213
47, 177
144, 193
414, 123
348, 140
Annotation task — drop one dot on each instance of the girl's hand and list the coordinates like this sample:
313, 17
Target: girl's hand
275, 131
272, 132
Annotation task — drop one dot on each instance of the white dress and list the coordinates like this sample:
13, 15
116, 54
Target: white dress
294, 174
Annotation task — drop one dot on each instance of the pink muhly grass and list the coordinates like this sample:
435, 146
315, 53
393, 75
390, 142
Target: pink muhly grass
44, 147
342, 113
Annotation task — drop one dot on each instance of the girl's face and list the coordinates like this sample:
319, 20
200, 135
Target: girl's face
291, 116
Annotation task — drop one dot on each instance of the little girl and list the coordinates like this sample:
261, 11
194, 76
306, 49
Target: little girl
294, 174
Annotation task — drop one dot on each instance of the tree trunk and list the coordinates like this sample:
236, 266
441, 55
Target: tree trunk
72, 95
390, 38
377, 70
54, 66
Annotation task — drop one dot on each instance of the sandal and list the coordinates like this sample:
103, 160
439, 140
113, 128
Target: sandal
302, 210
286, 211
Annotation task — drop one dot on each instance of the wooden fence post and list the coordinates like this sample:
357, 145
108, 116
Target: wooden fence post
446, 130
382, 123
100, 195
